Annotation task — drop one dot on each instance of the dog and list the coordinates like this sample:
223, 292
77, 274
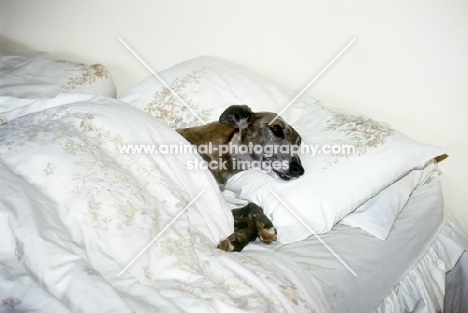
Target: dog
238, 127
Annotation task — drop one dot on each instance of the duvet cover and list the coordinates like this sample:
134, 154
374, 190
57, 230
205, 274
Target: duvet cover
87, 227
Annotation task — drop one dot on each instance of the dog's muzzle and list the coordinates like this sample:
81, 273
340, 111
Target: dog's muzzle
295, 171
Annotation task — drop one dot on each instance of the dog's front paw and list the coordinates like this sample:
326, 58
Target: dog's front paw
240, 238
225, 245
267, 235
266, 230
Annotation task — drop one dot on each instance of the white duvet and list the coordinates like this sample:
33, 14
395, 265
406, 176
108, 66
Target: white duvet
74, 211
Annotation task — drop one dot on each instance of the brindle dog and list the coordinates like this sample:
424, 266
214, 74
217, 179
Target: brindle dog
239, 126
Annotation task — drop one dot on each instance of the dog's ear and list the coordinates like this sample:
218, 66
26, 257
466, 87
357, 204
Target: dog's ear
240, 115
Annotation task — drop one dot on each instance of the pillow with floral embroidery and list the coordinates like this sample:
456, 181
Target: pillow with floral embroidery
34, 75
348, 158
197, 91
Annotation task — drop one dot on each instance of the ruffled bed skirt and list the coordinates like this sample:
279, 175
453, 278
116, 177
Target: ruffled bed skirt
439, 281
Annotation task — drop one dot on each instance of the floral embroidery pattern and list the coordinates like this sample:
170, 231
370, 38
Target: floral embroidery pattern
50, 169
19, 252
89, 75
91, 271
167, 108
80, 244
112, 200
363, 132
11, 302
148, 272
129, 200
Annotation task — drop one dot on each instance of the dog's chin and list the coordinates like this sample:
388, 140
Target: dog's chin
279, 176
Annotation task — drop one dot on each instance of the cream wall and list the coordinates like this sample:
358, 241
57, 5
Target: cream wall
408, 66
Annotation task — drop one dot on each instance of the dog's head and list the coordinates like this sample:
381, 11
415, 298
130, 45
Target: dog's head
274, 147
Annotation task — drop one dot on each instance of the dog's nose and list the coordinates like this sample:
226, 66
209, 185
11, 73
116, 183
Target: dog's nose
296, 169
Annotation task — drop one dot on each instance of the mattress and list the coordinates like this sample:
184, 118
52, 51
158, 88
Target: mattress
413, 259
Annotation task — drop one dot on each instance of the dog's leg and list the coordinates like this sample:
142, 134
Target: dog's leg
249, 222
245, 231
265, 229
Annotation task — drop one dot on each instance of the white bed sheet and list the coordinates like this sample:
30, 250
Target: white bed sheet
405, 273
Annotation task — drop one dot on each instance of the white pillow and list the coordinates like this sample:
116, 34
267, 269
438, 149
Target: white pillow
333, 185
209, 85
378, 214
34, 75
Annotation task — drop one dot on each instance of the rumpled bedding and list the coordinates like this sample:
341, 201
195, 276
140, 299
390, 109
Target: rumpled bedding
75, 210
31, 74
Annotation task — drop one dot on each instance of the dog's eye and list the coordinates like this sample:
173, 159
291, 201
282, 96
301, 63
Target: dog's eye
277, 131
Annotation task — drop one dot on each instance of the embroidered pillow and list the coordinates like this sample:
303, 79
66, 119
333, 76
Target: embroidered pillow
34, 75
336, 181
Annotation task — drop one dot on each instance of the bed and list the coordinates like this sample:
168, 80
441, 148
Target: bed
95, 216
